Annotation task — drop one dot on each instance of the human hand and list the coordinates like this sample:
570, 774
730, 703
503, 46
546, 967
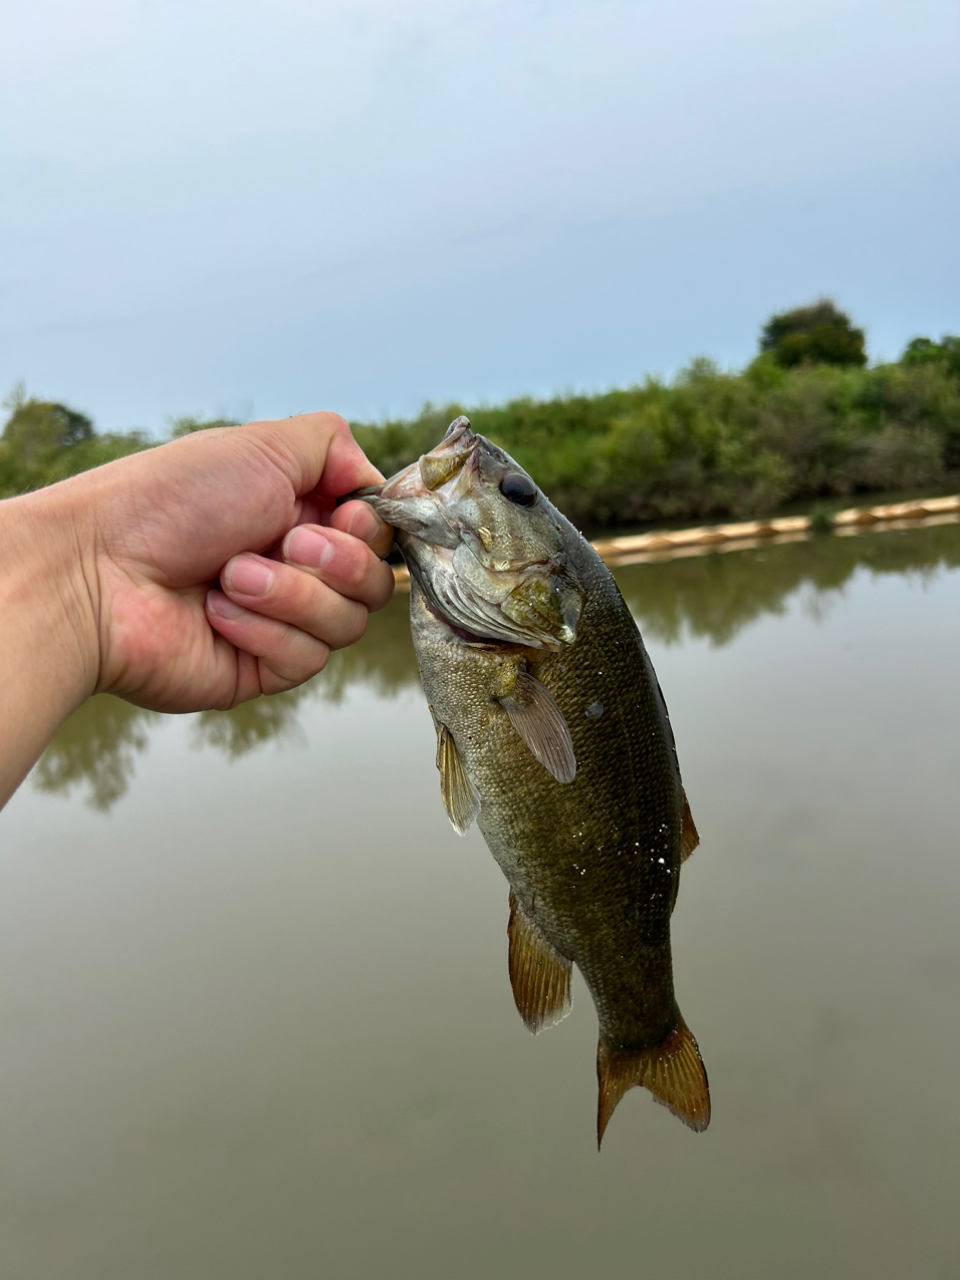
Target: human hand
245, 504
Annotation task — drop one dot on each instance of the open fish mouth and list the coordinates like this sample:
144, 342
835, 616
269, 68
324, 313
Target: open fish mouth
489, 566
405, 498
428, 473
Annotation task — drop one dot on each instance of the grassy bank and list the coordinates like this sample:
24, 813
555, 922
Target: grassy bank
718, 445
708, 445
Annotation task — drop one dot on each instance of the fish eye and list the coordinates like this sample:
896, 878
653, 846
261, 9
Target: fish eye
518, 488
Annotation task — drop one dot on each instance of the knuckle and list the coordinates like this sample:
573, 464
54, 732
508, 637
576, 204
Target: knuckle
335, 421
271, 682
384, 587
354, 625
300, 658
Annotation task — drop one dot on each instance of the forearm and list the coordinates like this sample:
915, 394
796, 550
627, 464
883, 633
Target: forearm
48, 642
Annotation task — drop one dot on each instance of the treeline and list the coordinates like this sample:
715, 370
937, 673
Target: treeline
804, 422
43, 442
808, 420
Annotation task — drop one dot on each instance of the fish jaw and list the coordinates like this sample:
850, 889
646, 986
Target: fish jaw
414, 510
507, 579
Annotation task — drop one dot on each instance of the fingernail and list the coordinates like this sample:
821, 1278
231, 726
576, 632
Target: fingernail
363, 523
308, 548
248, 577
222, 605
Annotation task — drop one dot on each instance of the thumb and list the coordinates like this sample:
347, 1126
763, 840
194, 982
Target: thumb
316, 451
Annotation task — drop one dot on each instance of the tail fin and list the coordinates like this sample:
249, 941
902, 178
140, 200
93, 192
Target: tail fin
673, 1072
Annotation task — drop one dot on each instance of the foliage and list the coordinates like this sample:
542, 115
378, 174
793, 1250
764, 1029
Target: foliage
44, 441
709, 444
946, 352
716, 444
817, 334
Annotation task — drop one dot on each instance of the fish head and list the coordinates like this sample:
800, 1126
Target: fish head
484, 545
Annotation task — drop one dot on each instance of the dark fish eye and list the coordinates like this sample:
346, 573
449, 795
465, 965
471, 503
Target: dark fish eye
519, 489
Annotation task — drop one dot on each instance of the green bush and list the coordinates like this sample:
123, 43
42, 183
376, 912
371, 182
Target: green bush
44, 441
708, 445
715, 444
926, 351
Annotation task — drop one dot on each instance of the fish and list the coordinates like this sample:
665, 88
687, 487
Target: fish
553, 735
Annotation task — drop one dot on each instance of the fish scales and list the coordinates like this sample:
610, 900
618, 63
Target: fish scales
553, 733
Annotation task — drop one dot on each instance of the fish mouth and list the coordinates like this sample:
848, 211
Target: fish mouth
411, 500
455, 453
432, 504
423, 477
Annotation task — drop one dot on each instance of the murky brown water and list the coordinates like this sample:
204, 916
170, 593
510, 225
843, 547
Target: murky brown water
255, 1018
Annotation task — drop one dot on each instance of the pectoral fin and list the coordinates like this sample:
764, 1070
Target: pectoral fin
689, 835
541, 724
539, 975
460, 797
673, 1072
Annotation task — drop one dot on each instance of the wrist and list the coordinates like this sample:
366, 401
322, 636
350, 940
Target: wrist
49, 646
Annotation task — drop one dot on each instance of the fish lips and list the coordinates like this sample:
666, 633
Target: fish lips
405, 502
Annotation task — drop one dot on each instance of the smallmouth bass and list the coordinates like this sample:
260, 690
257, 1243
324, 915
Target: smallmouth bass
552, 734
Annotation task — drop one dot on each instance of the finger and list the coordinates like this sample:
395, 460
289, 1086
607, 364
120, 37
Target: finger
316, 451
299, 599
286, 655
361, 521
342, 562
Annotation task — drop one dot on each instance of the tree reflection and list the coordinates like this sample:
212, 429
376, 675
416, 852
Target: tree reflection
251, 724
715, 596
96, 748
712, 597
383, 661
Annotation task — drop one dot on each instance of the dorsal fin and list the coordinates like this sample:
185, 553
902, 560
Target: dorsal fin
460, 797
539, 975
673, 1072
689, 835
541, 724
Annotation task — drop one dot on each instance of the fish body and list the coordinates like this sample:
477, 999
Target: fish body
553, 734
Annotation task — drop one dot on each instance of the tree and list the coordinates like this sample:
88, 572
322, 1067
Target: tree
43, 441
817, 334
926, 351
39, 430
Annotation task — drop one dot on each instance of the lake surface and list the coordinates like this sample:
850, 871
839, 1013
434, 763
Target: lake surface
255, 1018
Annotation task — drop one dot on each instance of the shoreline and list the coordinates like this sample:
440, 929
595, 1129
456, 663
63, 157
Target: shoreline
646, 548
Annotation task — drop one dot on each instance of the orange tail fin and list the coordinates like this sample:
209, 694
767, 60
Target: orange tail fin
673, 1072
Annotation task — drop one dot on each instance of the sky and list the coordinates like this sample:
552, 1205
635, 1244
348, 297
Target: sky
233, 207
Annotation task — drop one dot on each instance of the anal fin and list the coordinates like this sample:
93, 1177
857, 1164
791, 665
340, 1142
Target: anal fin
539, 975
673, 1072
689, 835
460, 797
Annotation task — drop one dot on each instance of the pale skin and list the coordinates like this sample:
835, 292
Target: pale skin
189, 577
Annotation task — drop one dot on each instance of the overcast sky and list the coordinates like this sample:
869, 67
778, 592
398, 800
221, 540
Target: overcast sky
253, 208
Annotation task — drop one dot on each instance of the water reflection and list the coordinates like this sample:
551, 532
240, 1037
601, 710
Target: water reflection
96, 748
716, 596
711, 597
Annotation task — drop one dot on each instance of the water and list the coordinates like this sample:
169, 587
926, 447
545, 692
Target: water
255, 1018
